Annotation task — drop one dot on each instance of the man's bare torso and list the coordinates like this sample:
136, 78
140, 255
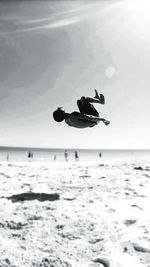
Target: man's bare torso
78, 120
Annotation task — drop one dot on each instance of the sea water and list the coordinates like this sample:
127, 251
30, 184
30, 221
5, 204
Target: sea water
39, 154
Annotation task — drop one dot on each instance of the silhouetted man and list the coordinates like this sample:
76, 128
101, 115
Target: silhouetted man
88, 115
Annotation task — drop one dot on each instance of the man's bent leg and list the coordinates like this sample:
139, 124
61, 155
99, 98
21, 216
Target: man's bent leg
86, 108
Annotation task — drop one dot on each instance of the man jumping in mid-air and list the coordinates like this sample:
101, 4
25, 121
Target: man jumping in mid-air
88, 115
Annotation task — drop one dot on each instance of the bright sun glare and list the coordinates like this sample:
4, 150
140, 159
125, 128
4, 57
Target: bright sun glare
137, 16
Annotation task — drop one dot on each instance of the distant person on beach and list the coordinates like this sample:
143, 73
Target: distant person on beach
100, 154
7, 157
30, 154
88, 115
66, 155
76, 156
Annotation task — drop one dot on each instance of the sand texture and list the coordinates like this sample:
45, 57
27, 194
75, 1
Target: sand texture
74, 214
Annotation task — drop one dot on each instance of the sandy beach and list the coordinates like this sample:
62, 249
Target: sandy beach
74, 214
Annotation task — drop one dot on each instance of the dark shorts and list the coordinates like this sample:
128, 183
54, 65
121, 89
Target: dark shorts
86, 108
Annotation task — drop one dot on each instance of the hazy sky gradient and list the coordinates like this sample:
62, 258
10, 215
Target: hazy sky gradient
53, 52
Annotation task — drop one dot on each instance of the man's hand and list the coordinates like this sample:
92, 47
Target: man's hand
106, 122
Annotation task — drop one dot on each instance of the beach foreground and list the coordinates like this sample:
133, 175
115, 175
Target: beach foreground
74, 214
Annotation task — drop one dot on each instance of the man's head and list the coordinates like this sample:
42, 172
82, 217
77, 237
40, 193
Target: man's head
59, 114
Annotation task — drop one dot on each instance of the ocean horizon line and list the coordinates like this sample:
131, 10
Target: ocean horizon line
69, 148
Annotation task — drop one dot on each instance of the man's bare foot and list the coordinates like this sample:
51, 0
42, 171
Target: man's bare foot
96, 94
100, 97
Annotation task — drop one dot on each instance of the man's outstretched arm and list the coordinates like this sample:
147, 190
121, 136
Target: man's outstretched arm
95, 120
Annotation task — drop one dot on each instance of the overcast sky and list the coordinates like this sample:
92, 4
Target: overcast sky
53, 52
